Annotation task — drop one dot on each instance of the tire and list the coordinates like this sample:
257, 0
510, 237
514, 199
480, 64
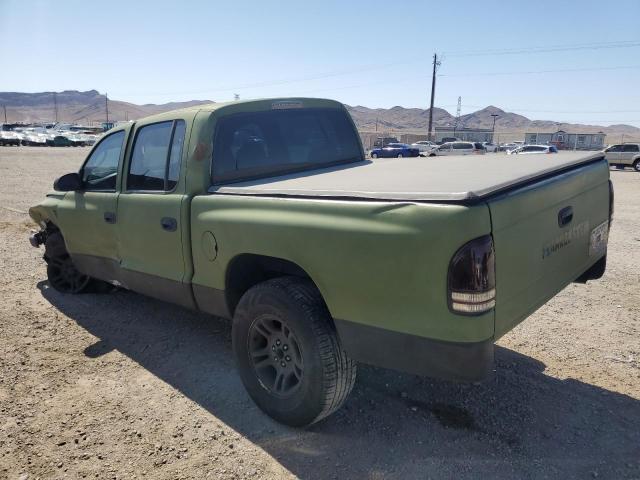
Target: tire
432, 154
287, 314
636, 165
374, 155
61, 273
619, 167
400, 155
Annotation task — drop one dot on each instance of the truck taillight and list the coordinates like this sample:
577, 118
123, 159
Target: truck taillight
472, 277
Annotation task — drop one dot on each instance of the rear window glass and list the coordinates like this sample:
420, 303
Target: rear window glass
250, 145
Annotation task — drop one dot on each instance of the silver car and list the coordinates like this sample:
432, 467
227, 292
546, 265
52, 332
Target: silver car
533, 149
458, 148
425, 147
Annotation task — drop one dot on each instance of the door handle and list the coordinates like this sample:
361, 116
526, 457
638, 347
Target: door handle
565, 216
109, 217
169, 224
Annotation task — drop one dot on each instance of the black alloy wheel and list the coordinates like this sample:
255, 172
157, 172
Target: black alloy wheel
276, 356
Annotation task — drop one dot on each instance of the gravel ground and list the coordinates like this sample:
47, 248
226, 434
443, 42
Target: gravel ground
122, 386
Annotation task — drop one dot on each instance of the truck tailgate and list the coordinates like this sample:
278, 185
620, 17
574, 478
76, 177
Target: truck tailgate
536, 257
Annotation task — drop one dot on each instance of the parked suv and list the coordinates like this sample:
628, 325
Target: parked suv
458, 148
624, 155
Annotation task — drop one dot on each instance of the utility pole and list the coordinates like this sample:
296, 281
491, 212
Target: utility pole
126, 116
376, 124
433, 92
4, 107
106, 105
455, 126
493, 128
55, 105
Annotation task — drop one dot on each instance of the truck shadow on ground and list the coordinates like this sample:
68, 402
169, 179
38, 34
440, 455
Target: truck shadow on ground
518, 423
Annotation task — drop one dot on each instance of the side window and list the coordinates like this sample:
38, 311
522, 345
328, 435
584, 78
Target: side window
462, 146
100, 171
630, 148
615, 148
155, 161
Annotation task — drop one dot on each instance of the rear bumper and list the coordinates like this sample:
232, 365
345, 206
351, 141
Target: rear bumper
417, 355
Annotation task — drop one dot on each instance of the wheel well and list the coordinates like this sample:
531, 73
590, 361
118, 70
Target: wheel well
248, 269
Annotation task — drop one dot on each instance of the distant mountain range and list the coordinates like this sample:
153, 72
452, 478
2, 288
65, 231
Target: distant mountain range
411, 120
89, 106
77, 107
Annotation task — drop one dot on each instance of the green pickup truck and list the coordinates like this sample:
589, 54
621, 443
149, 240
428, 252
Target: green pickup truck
267, 212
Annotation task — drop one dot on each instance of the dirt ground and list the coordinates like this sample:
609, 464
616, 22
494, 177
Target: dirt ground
122, 386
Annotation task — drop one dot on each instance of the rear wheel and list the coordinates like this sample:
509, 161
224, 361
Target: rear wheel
400, 155
288, 353
636, 165
374, 155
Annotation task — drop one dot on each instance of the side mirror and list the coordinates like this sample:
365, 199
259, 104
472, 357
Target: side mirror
68, 183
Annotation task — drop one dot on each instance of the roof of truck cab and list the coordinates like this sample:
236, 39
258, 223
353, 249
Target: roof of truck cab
442, 178
240, 105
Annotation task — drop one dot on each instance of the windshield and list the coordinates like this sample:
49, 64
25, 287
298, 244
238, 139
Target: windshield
257, 144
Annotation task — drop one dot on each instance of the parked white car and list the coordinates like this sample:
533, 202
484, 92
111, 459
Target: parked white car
624, 155
533, 149
505, 147
425, 147
490, 147
458, 148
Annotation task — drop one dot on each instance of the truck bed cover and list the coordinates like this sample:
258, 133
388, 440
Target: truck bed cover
445, 178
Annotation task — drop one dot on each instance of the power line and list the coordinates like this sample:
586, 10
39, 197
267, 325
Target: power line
547, 49
364, 68
533, 72
269, 83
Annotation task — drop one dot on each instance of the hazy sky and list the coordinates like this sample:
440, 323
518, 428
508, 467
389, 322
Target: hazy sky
376, 54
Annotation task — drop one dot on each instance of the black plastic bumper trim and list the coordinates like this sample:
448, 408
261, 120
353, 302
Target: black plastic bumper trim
418, 355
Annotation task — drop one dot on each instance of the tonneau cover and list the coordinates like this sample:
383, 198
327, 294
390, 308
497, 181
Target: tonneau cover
445, 178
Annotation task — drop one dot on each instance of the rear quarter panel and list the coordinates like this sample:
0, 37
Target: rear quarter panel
376, 263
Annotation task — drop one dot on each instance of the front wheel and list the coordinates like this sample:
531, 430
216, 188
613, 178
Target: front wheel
374, 155
288, 353
400, 155
61, 272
